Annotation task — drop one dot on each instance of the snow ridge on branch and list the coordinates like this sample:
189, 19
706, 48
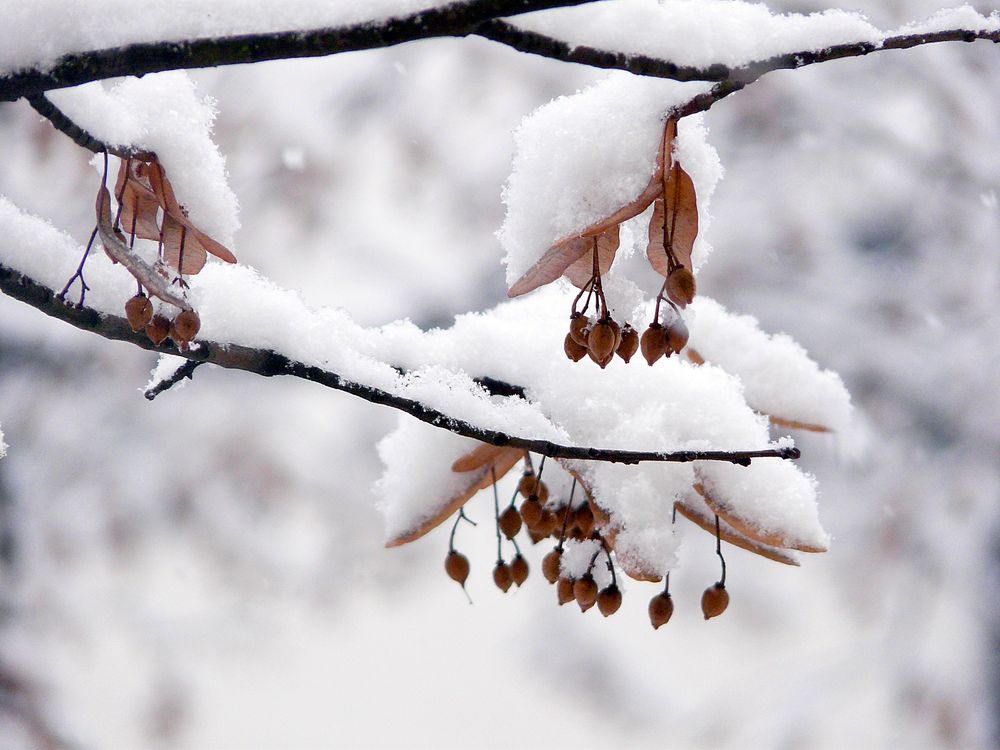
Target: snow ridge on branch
269, 363
472, 18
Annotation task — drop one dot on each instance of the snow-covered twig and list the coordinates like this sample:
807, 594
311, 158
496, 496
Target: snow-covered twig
186, 370
269, 363
453, 19
78, 135
472, 18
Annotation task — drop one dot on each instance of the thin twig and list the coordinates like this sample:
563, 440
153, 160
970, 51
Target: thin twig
186, 370
269, 363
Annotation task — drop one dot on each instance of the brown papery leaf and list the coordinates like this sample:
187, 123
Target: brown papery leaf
582, 270
731, 535
674, 223
139, 204
481, 455
567, 251
793, 424
181, 249
164, 193
748, 527
481, 478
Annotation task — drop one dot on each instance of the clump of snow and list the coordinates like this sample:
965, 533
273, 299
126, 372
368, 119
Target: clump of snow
580, 158
699, 34
779, 377
163, 113
963, 17
3, 445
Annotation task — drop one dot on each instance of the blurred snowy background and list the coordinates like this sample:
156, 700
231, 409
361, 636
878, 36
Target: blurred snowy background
206, 571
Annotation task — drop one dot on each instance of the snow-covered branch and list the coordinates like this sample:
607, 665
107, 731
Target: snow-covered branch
153, 56
269, 363
715, 42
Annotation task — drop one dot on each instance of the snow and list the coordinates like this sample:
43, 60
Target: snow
726, 32
163, 113
778, 375
3, 445
582, 157
963, 17
37, 34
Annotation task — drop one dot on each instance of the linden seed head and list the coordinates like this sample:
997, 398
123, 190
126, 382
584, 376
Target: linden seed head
629, 344
661, 607
585, 592
510, 522
579, 328
653, 343
519, 569
139, 311
601, 342
550, 565
573, 350
456, 565
185, 327
584, 519
681, 286
609, 600
502, 577
158, 329
531, 512
677, 335
714, 601
564, 590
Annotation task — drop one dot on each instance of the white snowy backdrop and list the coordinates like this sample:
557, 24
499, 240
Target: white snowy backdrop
206, 570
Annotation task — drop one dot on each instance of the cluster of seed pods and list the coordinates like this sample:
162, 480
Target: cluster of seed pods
181, 330
543, 517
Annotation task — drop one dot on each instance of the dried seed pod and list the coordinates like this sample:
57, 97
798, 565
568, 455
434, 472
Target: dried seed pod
158, 329
585, 591
654, 343
529, 485
714, 601
661, 607
681, 286
677, 335
579, 328
519, 569
564, 590
185, 327
629, 344
573, 350
609, 600
535, 537
502, 577
617, 330
601, 342
139, 311
602, 363
550, 565
531, 512
548, 524
510, 522
456, 565
584, 519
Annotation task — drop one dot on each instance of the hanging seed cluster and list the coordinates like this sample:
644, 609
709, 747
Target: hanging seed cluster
535, 513
600, 337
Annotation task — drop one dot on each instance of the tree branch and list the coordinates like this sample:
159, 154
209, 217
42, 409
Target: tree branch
186, 370
454, 19
269, 363
474, 17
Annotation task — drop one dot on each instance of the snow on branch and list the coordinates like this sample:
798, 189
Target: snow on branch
269, 363
724, 41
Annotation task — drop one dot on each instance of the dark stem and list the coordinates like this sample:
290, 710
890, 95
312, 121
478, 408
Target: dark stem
496, 513
718, 551
79, 273
569, 509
